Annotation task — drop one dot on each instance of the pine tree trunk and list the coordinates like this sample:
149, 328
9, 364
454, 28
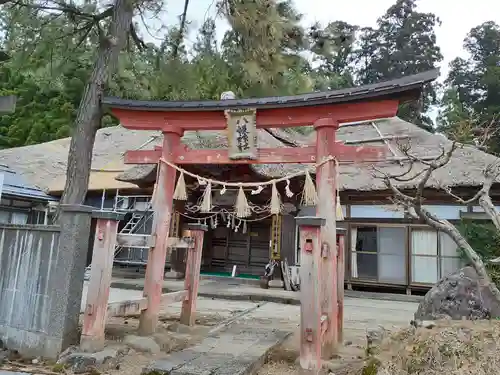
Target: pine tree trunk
89, 113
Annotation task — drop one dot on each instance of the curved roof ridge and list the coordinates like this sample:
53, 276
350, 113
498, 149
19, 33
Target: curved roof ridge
410, 86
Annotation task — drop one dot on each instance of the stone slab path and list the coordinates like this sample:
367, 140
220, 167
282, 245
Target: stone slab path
239, 350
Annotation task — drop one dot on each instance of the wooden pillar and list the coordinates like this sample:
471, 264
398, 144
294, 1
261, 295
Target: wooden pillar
162, 205
312, 322
193, 266
341, 232
326, 186
103, 253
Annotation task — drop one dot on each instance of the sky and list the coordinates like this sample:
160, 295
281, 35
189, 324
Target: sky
457, 17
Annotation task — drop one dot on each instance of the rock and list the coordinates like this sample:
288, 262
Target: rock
142, 344
170, 342
374, 338
461, 295
429, 324
80, 363
66, 353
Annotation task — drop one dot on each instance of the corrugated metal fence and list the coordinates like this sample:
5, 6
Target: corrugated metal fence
28, 255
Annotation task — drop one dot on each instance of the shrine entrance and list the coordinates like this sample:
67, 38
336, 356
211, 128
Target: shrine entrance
322, 265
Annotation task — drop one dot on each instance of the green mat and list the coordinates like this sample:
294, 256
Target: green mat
228, 274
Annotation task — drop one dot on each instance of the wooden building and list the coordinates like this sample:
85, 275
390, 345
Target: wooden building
20, 202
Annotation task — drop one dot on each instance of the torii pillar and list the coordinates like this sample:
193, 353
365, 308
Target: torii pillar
326, 186
162, 205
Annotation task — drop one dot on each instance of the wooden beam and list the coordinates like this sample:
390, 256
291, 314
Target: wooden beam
265, 156
193, 268
280, 155
146, 241
94, 317
266, 118
135, 240
173, 297
142, 156
126, 308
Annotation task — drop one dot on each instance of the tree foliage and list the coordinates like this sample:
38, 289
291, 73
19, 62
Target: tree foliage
474, 82
403, 43
268, 50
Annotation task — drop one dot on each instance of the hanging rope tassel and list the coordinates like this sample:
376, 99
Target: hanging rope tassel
180, 192
309, 195
340, 214
288, 191
275, 200
206, 204
242, 208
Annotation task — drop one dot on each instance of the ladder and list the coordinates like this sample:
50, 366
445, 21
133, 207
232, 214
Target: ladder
132, 224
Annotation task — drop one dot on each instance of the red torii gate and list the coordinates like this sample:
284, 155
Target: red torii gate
325, 111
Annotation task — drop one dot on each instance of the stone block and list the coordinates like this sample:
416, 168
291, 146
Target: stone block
174, 275
143, 344
276, 284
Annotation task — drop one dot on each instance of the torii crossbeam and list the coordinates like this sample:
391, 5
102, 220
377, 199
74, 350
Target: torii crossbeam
325, 111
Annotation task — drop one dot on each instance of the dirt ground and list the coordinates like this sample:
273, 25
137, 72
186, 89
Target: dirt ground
360, 314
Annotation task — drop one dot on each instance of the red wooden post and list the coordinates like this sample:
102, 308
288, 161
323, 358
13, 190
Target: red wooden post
162, 205
311, 318
341, 232
103, 253
326, 186
192, 280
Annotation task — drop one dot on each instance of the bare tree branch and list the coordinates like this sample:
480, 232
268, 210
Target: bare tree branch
182, 28
413, 204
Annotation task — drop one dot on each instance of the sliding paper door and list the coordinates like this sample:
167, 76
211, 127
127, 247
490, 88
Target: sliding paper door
424, 250
392, 255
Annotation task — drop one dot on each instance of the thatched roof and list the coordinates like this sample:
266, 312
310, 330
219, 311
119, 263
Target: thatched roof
44, 165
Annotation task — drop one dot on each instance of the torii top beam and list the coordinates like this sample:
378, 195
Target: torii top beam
361, 103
